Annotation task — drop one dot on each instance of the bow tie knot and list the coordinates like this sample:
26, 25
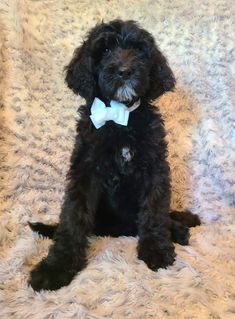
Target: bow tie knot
117, 112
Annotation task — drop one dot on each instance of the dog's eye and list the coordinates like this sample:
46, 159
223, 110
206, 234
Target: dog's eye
108, 50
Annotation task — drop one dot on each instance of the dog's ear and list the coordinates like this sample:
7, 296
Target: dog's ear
161, 76
80, 75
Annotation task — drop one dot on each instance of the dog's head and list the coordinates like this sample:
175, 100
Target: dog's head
119, 61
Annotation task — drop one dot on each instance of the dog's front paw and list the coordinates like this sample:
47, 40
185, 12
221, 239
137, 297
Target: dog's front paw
154, 256
48, 277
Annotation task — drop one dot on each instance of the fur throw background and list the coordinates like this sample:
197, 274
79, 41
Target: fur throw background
37, 127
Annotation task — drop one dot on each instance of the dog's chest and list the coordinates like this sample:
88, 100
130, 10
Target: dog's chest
117, 159
120, 151
126, 154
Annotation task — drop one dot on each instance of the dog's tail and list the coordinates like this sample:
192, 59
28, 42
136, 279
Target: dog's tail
186, 218
43, 229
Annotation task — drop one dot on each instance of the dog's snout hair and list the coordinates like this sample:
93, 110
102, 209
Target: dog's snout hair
121, 62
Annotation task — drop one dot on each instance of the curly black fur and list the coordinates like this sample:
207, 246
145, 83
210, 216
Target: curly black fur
107, 193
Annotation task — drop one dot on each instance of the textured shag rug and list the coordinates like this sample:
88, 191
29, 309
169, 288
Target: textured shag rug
37, 128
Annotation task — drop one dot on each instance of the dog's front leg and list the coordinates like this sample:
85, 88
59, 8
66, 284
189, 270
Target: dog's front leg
155, 246
67, 255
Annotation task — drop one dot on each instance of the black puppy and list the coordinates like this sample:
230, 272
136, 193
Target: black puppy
118, 182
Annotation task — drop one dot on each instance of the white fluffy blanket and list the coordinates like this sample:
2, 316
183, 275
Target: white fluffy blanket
37, 127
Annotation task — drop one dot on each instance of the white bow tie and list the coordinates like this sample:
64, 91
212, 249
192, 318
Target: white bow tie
118, 112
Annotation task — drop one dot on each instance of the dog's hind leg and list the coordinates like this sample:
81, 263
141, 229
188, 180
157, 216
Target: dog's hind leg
179, 233
186, 218
180, 223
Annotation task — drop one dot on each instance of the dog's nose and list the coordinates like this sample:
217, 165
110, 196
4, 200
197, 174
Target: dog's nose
124, 73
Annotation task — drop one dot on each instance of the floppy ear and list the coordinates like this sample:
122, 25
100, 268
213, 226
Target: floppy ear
161, 77
79, 74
